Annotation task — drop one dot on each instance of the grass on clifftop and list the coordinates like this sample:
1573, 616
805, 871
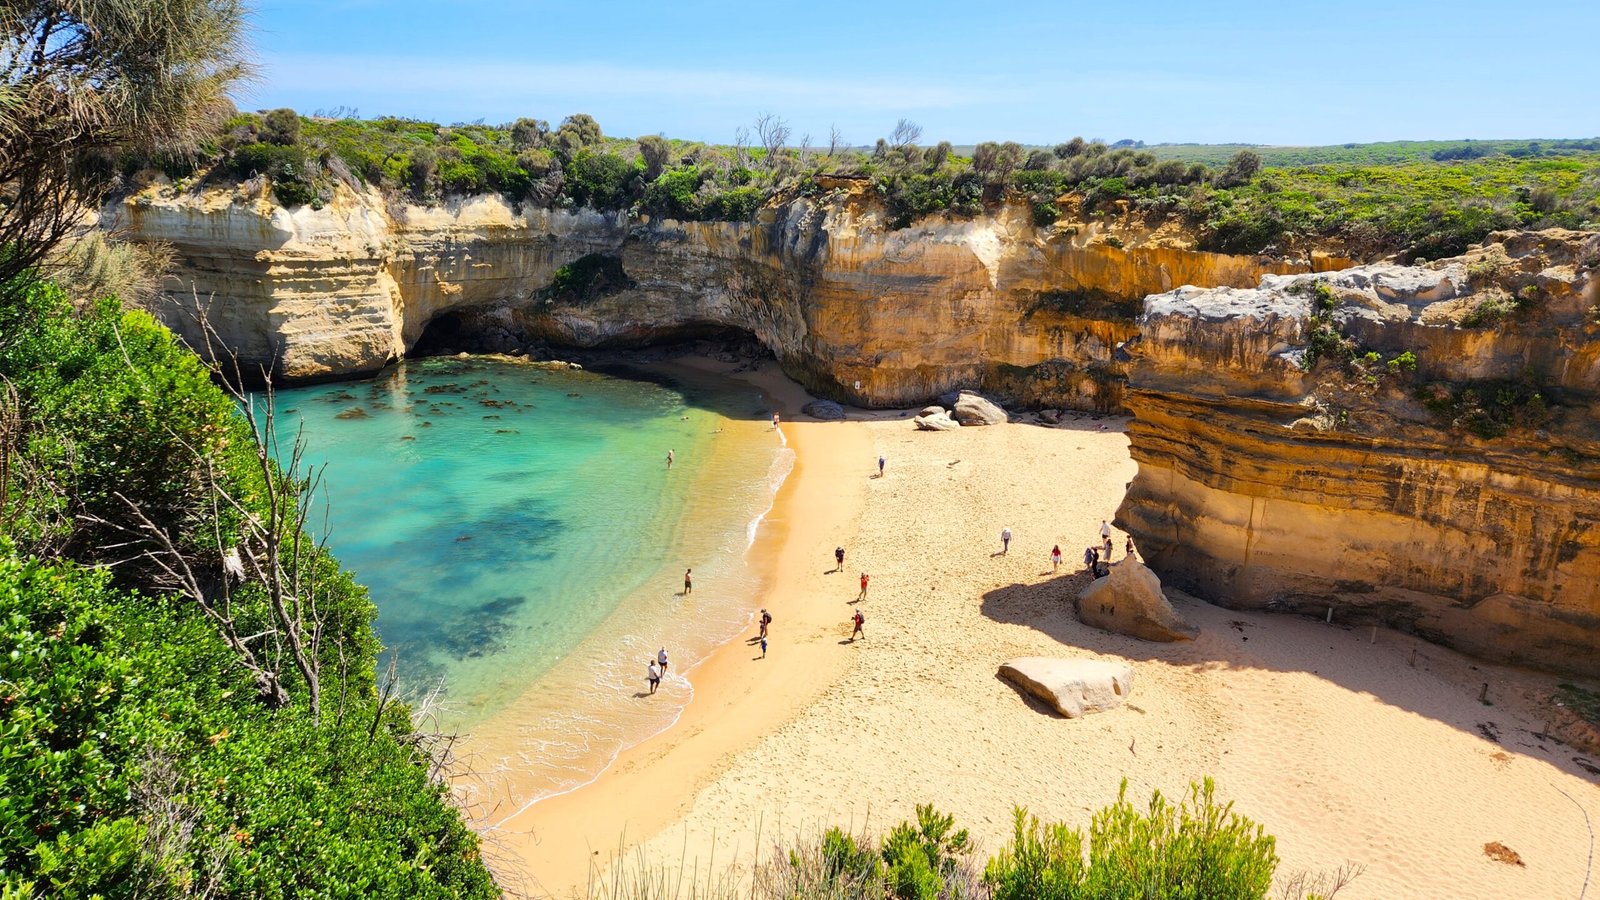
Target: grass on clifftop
1421, 199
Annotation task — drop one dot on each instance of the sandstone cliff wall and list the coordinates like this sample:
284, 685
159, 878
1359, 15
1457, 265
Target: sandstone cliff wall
852, 309
1461, 500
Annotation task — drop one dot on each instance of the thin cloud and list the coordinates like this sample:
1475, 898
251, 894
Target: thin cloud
489, 82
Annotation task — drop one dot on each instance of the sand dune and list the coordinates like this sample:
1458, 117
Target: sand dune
1348, 750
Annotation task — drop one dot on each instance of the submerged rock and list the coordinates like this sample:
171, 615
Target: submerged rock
826, 410
1129, 601
972, 409
1073, 687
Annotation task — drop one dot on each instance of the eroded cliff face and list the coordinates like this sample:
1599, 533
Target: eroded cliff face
852, 309
1460, 500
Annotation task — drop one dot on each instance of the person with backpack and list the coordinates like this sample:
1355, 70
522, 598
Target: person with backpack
766, 619
858, 619
838, 555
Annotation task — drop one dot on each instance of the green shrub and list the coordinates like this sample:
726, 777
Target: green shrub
135, 757
1198, 849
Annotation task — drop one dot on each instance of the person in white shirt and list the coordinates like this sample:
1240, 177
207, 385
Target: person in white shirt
661, 658
1105, 530
654, 675
1005, 540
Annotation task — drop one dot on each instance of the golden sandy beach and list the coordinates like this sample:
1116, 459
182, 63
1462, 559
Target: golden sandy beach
1348, 749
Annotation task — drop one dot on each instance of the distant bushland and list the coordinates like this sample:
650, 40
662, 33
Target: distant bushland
1425, 199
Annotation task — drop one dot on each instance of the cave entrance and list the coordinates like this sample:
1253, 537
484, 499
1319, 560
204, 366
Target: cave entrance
504, 330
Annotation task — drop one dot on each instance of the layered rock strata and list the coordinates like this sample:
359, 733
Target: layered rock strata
1417, 446
851, 308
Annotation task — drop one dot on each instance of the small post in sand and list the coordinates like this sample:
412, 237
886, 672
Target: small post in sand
1330, 615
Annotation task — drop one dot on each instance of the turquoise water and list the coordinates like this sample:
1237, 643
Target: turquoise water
505, 516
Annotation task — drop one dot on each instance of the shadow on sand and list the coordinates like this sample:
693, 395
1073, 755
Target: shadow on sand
1402, 670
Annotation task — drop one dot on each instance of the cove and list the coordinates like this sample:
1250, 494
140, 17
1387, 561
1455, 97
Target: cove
524, 541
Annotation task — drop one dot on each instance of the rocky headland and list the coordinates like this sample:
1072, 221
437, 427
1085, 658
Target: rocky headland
1415, 446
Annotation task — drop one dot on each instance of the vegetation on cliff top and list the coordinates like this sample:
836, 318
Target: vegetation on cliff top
1423, 202
142, 751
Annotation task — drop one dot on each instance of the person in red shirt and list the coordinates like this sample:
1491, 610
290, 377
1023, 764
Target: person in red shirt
863, 594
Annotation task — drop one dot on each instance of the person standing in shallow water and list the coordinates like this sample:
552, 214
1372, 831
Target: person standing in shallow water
669, 459
661, 658
688, 581
654, 676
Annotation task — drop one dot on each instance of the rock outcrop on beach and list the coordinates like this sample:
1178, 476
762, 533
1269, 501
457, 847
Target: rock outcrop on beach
825, 410
972, 409
852, 308
1129, 601
1072, 687
936, 420
1417, 446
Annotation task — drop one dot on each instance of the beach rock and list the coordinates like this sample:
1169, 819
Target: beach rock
1050, 416
1129, 601
826, 410
1074, 687
972, 409
932, 411
937, 422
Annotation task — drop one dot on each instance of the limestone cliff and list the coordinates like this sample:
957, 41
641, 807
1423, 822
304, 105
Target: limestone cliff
851, 308
1418, 446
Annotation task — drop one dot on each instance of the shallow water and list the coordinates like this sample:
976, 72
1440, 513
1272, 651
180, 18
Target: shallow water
524, 541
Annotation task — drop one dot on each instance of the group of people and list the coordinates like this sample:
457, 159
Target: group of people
1096, 557
657, 670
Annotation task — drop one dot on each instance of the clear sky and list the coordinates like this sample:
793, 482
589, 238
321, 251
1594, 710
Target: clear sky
1285, 72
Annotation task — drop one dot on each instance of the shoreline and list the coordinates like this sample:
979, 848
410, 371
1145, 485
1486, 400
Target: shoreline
1344, 744
557, 839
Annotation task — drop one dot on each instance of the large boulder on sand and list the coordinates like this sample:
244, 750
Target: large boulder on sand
1073, 687
826, 410
932, 411
972, 409
939, 421
1129, 601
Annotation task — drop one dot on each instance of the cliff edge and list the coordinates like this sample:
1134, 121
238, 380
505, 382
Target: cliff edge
1412, 445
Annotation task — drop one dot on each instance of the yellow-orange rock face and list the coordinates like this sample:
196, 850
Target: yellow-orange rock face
991, 303
1460, 501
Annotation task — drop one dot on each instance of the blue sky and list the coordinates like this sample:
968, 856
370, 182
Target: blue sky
1037, 72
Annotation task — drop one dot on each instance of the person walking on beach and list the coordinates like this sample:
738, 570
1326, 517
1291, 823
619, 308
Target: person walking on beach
774, 421
863, 594
1005, 540
766, 619
654, 674
661, 657
688, 581
1130, 546
858, 619
669, 459
1105, 530
1090, 556
880, 466
763, 643
838, 556
1055, 559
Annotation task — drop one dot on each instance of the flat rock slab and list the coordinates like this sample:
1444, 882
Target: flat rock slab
1073, 687
1129, 601
826, 410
